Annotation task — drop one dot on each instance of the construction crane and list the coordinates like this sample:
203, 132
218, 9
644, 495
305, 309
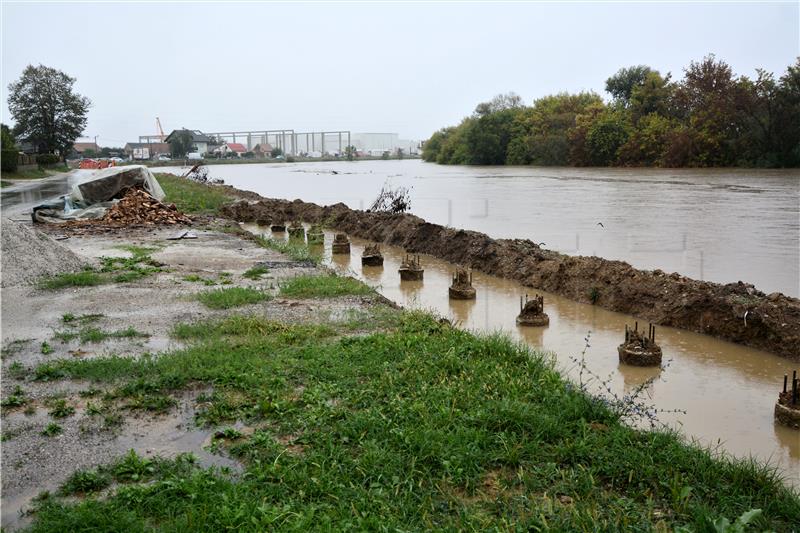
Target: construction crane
160, 130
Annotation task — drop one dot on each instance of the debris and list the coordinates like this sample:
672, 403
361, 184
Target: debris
410, 269
341, 244
278, 228
531, 312
185, 234
787, 408
138, 207
391, 200
462, 288
640, 349
371, 256
96, 192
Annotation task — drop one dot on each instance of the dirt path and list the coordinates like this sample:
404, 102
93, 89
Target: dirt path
153, 305
736, 312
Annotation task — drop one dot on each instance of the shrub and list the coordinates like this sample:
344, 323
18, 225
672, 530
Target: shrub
44, 160
9, 158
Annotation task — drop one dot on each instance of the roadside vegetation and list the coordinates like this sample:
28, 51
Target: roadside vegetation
230, 297
710, 118
296, 250
191, 197
415, 425
112, 269
325, 286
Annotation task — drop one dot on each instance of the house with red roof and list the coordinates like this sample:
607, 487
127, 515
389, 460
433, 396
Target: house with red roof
237, 148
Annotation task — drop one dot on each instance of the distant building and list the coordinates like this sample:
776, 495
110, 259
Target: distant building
263, 150
200, 140
143, 151
378, 143
81, 148
227, 148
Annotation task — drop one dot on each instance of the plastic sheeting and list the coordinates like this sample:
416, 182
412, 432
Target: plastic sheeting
93, 193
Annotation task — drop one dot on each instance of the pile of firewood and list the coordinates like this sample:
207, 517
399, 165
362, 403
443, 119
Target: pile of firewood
138, 207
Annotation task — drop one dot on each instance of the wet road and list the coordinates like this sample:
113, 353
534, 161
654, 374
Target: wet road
17, 200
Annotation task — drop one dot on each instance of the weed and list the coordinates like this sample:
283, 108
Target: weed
14, 347
231, 297
594, 295
15, 399
196, 278
16, 370
85, 482
256, 272
52, 430
96, 335
61, 409
89, 393
323, 286
297, 251
87, 278
46, 349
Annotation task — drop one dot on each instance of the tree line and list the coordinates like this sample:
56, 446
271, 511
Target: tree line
710, 118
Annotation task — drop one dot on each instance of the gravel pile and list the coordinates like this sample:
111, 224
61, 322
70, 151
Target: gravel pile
29, 255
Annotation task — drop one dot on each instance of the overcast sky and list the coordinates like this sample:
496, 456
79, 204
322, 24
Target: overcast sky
409, 68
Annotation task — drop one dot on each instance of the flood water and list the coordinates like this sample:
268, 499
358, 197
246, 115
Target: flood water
727, 391
719, 225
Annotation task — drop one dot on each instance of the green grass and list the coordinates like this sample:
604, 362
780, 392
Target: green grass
52, 430
191, 197
71, 319
421, 427
231, 297
323, 286
95, 335
61, 409
86, 278
256, 272
297, 251
116, 269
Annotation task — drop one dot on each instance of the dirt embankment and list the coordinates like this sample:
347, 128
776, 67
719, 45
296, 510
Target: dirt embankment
736, 312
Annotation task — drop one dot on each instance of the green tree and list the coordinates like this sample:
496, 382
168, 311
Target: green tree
622, 84
47, 112
350, 152
707, 99
605, 136
181, 144
276, 152
653, 95
7, 140
648, 142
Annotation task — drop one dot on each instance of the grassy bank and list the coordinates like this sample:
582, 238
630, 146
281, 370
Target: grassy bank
410, 425
192, 197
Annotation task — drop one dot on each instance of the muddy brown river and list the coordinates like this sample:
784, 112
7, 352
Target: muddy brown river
718, 225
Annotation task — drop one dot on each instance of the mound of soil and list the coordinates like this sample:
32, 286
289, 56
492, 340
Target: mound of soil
28, 255
772, 323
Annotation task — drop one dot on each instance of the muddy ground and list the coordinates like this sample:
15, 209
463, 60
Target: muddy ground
772, 322
32, 462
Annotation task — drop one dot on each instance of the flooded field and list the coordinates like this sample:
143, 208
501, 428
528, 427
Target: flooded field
718, 225
727, 391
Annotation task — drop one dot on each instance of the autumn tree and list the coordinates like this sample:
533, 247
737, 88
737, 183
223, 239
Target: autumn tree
47, 112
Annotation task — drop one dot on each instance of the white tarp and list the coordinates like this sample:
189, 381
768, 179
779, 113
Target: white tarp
94, 192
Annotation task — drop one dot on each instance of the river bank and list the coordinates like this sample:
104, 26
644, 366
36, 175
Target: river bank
317, 397
735, 312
